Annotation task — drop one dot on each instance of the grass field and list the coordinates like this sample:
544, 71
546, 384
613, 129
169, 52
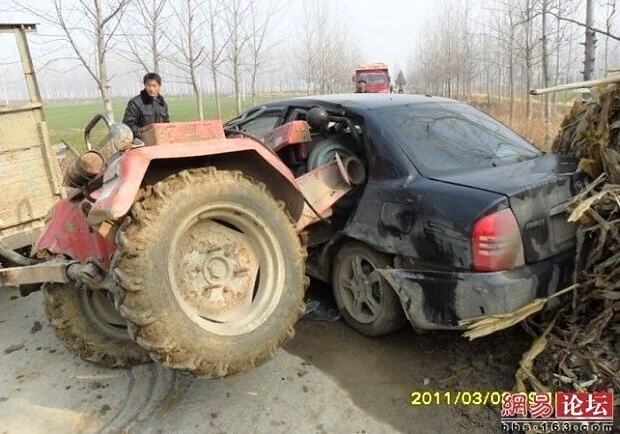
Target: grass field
67, 119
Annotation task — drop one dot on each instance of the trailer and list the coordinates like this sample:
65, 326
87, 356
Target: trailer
30, 179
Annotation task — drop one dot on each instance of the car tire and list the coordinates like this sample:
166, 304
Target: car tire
365, 300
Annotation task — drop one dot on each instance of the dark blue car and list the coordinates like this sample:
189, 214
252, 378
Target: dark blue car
458, 216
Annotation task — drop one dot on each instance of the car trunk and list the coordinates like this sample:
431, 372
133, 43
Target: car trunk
538, 191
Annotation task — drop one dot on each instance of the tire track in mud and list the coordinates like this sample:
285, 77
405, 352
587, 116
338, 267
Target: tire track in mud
150, 390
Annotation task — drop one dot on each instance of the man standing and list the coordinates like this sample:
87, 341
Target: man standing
149, 107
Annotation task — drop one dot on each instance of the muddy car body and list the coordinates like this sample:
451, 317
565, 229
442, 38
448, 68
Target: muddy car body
470, 215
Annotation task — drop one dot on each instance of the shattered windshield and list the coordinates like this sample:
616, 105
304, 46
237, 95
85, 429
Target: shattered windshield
443, 138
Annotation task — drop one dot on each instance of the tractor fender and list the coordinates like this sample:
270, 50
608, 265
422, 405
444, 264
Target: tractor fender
125, 175
67, 233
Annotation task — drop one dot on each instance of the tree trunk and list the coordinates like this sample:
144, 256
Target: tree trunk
588, 62
528, 62
237, 87
254, 85
198, 93
107, 101
556, 74
511, 87
103, 82
192, 62
488, 84
511, 65
611, 11
154, 45
216, 93
545, 66
568, 62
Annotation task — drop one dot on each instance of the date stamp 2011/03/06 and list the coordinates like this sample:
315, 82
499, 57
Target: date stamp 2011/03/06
493, 398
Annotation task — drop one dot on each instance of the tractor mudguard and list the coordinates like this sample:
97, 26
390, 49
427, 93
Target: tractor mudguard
68, 233
124, 176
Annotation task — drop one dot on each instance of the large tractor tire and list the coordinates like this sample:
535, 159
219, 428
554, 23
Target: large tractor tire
87, 323
211, 271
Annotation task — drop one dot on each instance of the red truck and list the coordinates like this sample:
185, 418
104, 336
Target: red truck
375, 75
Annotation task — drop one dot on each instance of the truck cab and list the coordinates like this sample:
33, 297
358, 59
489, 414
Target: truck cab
375, 75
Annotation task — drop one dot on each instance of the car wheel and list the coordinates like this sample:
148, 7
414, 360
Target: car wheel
365, 300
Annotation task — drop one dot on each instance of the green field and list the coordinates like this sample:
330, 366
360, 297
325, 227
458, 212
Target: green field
66, 119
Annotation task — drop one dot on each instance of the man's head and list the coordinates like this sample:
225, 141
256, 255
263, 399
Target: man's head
361, 86
152, 84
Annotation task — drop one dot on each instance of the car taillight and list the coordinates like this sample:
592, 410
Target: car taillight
496, 242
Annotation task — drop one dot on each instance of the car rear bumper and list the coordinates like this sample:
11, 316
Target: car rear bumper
438, 299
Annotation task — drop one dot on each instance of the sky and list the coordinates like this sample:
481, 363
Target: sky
384, 31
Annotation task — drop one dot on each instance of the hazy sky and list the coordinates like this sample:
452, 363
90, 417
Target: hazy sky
383, 29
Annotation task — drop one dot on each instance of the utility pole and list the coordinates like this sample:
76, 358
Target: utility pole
590, 43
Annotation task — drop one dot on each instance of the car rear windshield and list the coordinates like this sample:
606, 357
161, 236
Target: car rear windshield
442, 138
373, 77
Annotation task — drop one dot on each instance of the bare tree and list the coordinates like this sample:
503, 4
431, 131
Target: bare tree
588, 62
217, 46
260, 22
326, 54
526, 18
506, 35
504, 50
305, 52
545, 64
235, 18
144, 35
93, 21
190, 53
610, 6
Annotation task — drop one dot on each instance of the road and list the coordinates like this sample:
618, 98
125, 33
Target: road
329, 379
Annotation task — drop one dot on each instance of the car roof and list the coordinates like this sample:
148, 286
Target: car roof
359, 101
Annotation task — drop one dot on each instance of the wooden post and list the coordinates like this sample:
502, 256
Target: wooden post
578, 85
48, 155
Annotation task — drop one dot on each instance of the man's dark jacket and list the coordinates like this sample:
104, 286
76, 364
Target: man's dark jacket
144, 110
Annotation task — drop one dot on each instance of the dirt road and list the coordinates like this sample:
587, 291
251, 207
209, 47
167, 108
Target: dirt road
328, 379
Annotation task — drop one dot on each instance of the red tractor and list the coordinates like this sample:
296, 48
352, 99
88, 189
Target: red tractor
186, 249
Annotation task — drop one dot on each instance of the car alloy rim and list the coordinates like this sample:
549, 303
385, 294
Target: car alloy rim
361, 288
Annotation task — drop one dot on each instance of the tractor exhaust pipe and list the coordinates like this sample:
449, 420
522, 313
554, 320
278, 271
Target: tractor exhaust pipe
354, 170
80, 170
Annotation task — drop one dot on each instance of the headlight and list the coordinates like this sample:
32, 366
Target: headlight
121, 137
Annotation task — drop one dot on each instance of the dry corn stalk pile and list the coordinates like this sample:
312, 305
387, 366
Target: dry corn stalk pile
583, 345
579, 347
